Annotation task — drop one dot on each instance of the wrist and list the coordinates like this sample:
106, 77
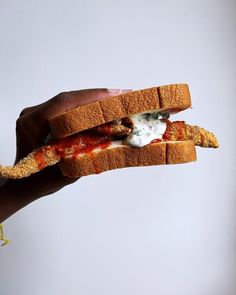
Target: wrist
13, 197
18, 188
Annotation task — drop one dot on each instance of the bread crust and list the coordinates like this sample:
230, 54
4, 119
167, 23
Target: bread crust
174, 97
126, 156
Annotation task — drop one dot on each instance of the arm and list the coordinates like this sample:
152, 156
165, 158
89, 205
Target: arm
16, 194
13, 197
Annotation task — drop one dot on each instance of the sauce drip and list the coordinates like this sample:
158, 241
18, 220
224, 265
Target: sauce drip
40, 159
87, 142
177, 128
73, 145
80, 143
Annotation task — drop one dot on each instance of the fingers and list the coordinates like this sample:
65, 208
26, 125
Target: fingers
33, 127
64, 102
27, 111
69, 100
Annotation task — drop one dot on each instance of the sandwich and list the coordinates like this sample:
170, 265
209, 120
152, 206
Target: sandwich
128, 130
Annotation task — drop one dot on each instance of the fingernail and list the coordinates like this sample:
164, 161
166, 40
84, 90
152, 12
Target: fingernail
126, 90
119, 91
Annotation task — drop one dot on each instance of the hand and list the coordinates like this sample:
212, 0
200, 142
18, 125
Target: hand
31, 130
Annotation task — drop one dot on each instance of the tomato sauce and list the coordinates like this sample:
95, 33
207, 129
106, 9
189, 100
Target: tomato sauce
86, 142
40, 159
177, 127
80, 143
74, 145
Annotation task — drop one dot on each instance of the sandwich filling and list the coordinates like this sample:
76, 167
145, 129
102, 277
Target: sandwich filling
136, 131
146, 128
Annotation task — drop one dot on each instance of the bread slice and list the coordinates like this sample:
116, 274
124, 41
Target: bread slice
173, 98
121, 156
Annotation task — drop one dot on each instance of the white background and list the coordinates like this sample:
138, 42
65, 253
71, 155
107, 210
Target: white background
155, 230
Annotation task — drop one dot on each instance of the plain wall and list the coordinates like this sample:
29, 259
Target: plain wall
153, 230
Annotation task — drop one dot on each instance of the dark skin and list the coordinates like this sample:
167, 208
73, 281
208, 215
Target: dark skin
31, 130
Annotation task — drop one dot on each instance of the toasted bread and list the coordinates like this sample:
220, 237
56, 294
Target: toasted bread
121, 156
174, 98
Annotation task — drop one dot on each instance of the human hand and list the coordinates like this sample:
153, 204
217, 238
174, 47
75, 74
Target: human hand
32, 129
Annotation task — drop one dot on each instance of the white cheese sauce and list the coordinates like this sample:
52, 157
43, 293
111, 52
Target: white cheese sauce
146, 128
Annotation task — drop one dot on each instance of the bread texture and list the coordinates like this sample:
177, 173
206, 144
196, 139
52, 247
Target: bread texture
122, 156
174, 97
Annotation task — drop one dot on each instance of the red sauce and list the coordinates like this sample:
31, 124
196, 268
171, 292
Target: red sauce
39, 157
166, 135
87, 142
81, 143
90, 149
179, 127
74, 145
